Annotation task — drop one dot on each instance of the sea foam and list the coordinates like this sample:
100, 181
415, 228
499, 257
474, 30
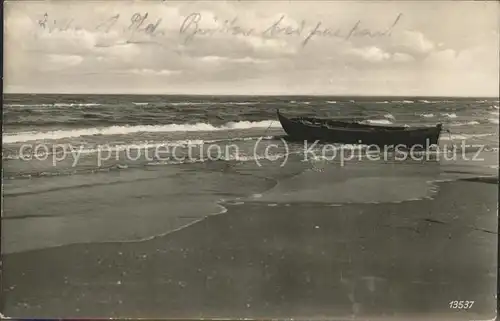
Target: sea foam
123, 130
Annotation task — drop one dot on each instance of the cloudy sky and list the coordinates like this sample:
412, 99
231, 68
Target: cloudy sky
243, 47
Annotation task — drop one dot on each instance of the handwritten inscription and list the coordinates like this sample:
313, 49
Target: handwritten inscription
355, 31
136, 23
191, 27
195, 25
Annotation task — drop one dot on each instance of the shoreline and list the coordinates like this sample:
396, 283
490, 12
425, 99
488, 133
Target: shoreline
258, 247
224, 203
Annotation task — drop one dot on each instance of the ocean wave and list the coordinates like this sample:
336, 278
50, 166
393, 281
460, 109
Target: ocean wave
67, 148
379, 121
469, 123
493, 120
495, 113
54, 105
423, 101
389, 116
28, 105
76, 104
463, 136
403, 101
211, 103
140, 104
189, 103
244, 103
382, 102
449, 115
123, 130
427, 115
331, 102
10, 157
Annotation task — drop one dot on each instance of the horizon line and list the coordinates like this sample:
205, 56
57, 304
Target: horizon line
246, 95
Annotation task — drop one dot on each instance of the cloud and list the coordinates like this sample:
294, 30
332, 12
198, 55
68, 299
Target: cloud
151, 72
249, 60
371, 54
77, 40
244, 60
210, 59
442, 58
65, 60
402, 57
423, 54
269, 44
411, 42
125, 52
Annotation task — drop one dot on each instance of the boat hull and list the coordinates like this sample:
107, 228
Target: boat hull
313, 129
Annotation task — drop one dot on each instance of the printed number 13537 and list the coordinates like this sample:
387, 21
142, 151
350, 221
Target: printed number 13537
461, 304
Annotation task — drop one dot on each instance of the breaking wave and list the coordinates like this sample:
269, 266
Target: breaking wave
449, 115
379, 121
68, 148
122, 130
463, 136
211, 103
54, 105
469, 123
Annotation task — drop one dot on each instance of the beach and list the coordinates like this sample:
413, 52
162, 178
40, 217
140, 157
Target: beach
399, 260
233, 232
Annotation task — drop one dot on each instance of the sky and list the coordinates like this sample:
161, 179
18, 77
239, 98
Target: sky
387, 48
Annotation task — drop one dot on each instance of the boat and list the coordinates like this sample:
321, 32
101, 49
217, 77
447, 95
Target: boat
355, 132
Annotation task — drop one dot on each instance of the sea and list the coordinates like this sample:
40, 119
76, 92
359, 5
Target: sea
129, 168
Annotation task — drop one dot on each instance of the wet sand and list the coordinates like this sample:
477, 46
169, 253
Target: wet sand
404, 260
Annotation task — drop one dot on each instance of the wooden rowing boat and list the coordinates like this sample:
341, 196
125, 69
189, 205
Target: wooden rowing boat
344, 132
